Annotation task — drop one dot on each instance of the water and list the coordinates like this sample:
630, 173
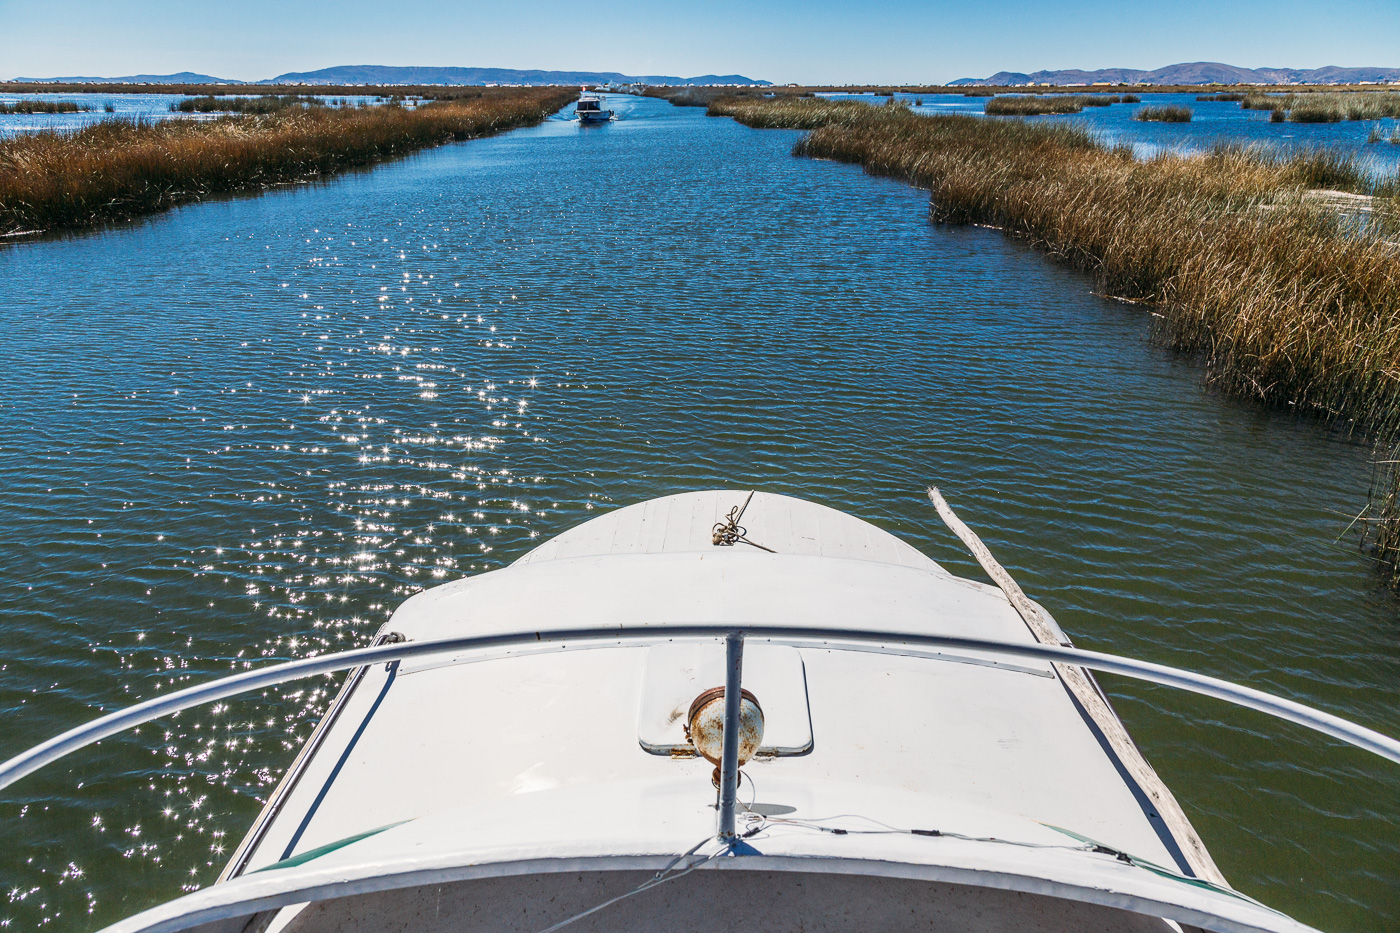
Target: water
247, 429
1211, 122
124, 106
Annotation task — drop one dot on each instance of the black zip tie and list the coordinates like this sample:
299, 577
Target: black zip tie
1120, 856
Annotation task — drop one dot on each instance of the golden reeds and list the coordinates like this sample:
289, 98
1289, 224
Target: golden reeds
1284, 299
1016, 105
263, 103
1164, 114
43, 106
1320, 107
120, 168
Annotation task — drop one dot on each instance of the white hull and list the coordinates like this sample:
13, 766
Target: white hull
896, 788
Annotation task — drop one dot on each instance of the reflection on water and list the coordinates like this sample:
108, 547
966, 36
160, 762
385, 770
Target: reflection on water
246, 430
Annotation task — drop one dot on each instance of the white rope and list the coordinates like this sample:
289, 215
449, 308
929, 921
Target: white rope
660, 878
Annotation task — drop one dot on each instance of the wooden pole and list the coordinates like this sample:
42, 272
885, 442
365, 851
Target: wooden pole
1018, 599
1091, 698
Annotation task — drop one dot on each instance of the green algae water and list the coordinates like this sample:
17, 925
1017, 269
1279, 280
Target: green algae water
244, 431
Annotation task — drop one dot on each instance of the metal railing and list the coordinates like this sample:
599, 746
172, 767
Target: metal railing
807, 636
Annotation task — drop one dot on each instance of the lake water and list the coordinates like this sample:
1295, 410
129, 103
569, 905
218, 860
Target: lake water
1211, 122
124, 106
245, 430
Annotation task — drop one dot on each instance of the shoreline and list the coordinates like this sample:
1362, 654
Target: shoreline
121, 169
1246, 258
443, 91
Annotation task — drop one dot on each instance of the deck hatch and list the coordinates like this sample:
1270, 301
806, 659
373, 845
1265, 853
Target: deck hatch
675, 674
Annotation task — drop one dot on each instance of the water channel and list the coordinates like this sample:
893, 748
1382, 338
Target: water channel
247, 429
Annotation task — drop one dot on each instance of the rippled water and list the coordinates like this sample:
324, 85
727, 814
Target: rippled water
1211, 122
247, 429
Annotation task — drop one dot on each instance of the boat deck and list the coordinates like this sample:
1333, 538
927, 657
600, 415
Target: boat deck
489, 772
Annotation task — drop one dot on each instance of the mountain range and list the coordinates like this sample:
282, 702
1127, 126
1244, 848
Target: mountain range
394, 74
184, 77
1191, 73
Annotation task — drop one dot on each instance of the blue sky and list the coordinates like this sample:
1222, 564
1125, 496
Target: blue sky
881, 41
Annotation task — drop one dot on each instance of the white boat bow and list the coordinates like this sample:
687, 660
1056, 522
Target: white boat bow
524, 759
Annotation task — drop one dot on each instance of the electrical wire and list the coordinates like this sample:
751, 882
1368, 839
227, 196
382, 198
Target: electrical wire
660, 878
757, 822
887, 829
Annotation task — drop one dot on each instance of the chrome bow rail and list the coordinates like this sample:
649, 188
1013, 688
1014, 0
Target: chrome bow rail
113, 723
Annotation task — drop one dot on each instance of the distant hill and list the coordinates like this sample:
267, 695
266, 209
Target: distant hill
392, 74
1192, 73
184, 77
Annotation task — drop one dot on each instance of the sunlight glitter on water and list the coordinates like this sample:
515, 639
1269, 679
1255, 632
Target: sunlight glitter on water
221, 454
329, 586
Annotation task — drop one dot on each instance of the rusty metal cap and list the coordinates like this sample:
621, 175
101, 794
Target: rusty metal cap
704, 725
715, 693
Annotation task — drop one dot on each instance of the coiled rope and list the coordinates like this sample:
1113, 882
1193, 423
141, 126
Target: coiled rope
729, 531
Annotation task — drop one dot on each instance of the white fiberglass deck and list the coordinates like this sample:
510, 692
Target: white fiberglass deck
486, 773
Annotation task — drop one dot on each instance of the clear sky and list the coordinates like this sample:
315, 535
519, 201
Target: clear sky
821, 41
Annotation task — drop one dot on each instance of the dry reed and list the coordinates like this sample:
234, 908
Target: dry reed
121, 168
264, 103
1164, 114
43, 106
1318, 107
1015, 105
1019, 105
1283, 299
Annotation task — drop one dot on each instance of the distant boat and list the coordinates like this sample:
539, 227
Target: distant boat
530, 747
590, 109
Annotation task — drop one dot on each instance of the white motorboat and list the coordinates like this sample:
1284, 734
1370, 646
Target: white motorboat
718, 710
589, 109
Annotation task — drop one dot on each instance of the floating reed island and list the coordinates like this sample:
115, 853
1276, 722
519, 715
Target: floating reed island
1164, 114
1016, 105
263, 103
1318, 107
1242, 251
118, 169
43, 106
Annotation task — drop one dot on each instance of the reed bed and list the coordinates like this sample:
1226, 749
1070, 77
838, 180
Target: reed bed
43, 106
265, 103
1378, 135
1229, 96
1317, 107
1164, 114
1016, 105
704, 96
450, 93
120, 168
433, 91
1284, 300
